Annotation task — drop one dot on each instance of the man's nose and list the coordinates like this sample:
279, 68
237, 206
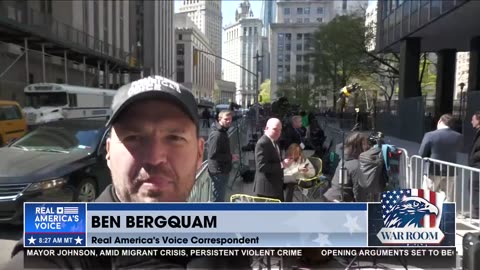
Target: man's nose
155, 151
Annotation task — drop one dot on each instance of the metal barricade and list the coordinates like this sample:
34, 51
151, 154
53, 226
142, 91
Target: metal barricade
415, 172
460, 184
399, 172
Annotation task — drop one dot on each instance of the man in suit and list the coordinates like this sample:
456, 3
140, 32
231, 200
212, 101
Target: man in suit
268, 170
442, 144
474, 161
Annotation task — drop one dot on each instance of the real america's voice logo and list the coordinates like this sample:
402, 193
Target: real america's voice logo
411, 216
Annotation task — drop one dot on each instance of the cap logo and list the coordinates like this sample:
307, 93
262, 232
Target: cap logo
152, 83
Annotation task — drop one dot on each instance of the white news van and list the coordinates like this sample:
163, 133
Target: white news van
48, 102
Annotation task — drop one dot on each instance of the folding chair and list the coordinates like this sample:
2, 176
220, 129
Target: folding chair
244, 198
309, 187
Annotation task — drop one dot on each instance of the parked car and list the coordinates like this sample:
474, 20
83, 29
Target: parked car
60, 161
12, 121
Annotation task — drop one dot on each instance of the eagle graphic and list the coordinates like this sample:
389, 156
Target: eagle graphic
409, 212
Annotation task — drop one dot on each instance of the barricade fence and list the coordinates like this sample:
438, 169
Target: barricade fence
459, 183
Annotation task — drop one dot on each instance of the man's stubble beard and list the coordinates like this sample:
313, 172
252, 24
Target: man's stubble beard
130, 191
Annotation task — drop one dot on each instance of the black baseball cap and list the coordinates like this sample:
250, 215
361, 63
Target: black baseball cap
154, 87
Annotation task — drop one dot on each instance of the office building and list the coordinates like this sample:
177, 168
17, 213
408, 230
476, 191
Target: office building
88, 43
290, 37
243, 42
207, 15
195, 66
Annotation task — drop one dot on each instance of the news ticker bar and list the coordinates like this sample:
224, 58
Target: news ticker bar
253, 252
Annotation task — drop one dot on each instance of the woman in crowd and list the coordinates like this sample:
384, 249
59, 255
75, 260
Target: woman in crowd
298, 167
355, 144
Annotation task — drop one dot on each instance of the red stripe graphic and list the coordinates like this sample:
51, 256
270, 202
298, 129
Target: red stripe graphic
420, 194
433, 218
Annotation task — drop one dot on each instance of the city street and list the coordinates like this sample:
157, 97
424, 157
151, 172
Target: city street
9, 235
381, 93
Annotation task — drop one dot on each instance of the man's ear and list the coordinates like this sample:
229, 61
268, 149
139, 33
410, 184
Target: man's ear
201, 147
107, 148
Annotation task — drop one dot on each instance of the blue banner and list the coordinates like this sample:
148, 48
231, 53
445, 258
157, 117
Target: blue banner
230, 225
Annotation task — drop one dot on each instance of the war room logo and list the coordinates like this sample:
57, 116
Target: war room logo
411, 216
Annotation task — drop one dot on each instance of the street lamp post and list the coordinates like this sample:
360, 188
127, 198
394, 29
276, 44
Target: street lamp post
257, 88
257, 57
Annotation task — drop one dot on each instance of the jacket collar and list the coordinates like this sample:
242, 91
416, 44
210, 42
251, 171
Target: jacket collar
108, 195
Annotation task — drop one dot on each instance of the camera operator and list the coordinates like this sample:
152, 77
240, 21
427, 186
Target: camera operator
372, 166
351, 191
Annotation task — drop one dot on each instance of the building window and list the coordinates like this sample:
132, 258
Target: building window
250, 31
255, 30
344, 5
244, 31
306, 10
288, 47
299, 10
288, 37
287, 58
286, 11
299, 68
299, 20
299, 57
319, 10
299, 36
319, 19
180, 37
299, 46
287, 68
180, 49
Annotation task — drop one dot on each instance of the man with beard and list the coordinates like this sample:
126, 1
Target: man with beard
153, 152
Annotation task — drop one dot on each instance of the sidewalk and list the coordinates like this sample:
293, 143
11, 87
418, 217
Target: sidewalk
239, 186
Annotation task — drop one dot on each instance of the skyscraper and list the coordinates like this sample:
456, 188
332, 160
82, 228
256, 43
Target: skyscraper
268, 11
243, 41
207, 15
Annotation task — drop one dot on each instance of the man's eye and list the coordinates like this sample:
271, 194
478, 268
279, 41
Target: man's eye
175, 138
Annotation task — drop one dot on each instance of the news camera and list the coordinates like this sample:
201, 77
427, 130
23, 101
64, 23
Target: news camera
376, 138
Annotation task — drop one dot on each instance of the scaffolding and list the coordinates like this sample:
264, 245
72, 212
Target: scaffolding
34, 31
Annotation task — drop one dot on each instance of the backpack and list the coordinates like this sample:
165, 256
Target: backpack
372, 165
391, 156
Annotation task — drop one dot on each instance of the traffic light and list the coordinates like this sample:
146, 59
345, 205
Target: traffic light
133, 61
195, 56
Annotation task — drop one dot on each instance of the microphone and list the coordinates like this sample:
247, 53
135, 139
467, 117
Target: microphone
347, 90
